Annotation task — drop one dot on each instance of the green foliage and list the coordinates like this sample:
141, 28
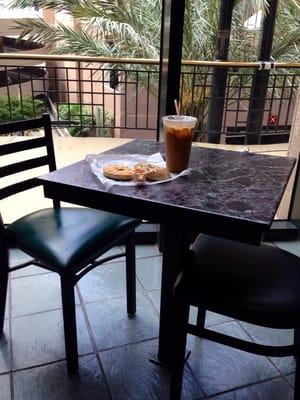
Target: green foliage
131, 28
104, 122
82, 123
15, 108
77, 116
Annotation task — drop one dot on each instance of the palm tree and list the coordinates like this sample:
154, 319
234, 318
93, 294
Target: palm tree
132, 28
118, 28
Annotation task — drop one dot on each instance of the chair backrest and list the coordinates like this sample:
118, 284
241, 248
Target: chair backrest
45, 141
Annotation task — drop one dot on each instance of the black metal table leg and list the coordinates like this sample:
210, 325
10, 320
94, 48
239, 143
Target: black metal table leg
175, 250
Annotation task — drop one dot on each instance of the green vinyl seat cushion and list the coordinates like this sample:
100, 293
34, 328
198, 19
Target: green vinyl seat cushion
65, 238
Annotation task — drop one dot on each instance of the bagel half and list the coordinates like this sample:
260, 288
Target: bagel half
118, 172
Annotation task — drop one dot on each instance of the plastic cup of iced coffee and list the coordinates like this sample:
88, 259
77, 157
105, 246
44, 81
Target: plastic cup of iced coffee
179, 131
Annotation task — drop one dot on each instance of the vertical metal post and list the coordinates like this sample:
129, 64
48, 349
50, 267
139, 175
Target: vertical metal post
261, 77
170, 57
219, 77
1, 45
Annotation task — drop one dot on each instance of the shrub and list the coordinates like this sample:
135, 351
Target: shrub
105, 123
14, 108
76, 116
81, 121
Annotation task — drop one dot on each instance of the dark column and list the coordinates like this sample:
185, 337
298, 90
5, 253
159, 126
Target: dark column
294, 211
219, 77
261, 77
170, 57
1, 45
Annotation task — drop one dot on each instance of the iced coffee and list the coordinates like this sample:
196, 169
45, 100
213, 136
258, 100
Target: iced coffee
179, 131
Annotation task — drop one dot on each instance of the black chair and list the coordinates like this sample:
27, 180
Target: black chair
68, 240
259, 285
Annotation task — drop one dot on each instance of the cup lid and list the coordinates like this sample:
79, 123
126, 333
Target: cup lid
180, 120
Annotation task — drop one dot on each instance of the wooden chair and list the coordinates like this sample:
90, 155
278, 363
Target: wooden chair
67, 240
259, 285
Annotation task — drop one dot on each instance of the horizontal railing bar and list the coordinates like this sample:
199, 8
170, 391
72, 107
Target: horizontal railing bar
52, 57
241, 64
145, 61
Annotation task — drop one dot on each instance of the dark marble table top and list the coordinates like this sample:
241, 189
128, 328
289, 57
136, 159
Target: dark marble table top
226, 190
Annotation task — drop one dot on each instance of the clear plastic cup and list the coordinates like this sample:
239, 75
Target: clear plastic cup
179, 132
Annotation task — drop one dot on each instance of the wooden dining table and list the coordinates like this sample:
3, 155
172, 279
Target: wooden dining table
229, 194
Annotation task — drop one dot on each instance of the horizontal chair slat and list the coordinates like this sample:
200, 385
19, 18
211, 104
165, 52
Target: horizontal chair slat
23, 166
18, 187
21, 125
21, 146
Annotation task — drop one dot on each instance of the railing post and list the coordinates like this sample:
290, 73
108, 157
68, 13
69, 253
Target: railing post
170, 57
261, 78
293, 151
219, 76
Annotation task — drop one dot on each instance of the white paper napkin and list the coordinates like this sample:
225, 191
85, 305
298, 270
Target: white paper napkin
98, 161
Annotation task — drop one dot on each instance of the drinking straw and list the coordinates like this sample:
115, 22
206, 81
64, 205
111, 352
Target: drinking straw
177, 107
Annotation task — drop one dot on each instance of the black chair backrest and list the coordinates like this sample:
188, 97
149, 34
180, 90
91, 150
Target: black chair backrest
45, 141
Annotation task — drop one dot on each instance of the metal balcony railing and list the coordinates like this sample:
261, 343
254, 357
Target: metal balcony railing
96, 96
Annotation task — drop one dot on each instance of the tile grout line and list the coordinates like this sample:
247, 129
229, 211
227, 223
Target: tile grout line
94, 302
197, 381
152, 303
263, 381
281, 374
247, 386
83, 305
128, 344
45, 272
288, 382
92, 339
250, 385
77, 305
45, 364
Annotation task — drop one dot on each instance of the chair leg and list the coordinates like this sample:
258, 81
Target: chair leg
130, 275
179, 361
4, 270
69, 316
161, 239
297, 373
201, 317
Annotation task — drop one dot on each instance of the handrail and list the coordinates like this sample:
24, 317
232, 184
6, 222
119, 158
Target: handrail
145, 61
52, 57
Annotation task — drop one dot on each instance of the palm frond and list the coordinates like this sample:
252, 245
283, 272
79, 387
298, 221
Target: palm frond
120, 34
80, 42
248, 8
39, 31
132, 28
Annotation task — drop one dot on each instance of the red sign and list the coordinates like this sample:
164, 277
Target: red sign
272, 120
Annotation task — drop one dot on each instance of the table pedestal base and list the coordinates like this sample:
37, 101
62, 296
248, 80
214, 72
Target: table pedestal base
155, 360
